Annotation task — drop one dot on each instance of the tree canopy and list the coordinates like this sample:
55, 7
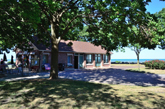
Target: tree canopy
108, 21
161, 18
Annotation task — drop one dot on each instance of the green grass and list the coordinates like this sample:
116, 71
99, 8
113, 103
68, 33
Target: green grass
147, 70
67, 94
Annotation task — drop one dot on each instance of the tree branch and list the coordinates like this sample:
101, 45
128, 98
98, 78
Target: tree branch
80, 15
43, 10
62, 1
66, 9
45, 29
67, 29
14, 18
59, 38
144, 30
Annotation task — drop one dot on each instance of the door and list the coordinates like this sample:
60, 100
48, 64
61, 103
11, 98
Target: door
44, 59
76, 62
81, 60
97, 60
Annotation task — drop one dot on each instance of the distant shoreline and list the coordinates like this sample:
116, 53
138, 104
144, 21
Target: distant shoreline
133, 60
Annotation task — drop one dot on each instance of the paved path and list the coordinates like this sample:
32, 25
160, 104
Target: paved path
110, 76
115, 76
15, 77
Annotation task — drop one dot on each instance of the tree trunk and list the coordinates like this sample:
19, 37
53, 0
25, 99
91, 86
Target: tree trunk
54, 60
138, 61
54, 53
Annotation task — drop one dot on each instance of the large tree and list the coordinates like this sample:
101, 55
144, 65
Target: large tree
108, 23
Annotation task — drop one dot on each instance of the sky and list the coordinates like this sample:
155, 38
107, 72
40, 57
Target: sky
153, 7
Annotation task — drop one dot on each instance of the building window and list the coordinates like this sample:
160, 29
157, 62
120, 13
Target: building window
105, 58
35, 61
97, 58
69, 58
89, 59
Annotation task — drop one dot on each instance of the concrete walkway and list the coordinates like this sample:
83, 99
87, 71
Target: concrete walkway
15, 77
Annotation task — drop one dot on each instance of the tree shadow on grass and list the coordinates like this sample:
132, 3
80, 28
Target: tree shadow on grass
62, 93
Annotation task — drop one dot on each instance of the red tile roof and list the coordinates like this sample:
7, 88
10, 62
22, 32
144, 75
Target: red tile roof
80, 47
77, 47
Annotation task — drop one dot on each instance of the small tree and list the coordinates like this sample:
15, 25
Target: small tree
137, 49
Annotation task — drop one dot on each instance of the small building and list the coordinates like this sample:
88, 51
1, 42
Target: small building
78, 56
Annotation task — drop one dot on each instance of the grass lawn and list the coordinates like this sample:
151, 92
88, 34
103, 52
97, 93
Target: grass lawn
66, 94
146, 70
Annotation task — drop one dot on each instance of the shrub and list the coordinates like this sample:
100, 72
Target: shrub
150, 64
117, 62
155, 64
146, 64
9, 62
161, 65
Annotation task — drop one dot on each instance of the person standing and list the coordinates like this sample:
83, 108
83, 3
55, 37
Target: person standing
1, 61
18, 64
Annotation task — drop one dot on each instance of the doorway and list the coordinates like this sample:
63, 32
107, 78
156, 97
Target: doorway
76, 62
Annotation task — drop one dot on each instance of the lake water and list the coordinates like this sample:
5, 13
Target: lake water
134, 60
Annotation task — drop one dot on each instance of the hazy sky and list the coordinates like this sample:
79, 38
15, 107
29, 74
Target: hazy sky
153, 7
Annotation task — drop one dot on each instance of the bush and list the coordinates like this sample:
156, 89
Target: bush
146, 64
9, 62
155, 64
117, 62
161, 65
